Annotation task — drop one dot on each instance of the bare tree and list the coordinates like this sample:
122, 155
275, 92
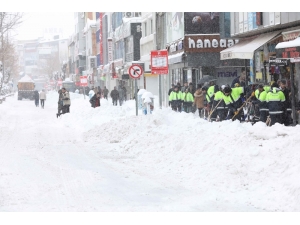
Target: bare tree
50, 65
8, 21
10, 60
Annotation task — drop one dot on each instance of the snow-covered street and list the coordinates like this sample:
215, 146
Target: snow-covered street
109, 159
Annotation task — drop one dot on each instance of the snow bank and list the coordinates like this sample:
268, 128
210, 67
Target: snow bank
218, 166
223, 161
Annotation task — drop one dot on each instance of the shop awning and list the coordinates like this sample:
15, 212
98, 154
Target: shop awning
176, 58
245, 49
289, 44
289, 50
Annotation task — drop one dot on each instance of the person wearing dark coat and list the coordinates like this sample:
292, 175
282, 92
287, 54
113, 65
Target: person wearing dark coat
60, 103
121, 95
287, 113
36, 98
95, 100
240, 80
114, 94
105, 92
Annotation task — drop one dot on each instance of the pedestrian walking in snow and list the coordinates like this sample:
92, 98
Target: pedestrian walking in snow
42, 98
66, 101
36, 98
125, 93
121, 95
60, 103
199, 99
105, 92
95, 100
114, 94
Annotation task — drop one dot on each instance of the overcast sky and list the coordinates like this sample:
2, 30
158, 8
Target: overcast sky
45, 24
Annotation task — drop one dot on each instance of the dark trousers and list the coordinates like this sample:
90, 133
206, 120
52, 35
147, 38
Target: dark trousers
36, 102
263, 115
222, 113
176, 105
187, 107
115, 101
287, 118
65, 109
276, 118
105, 96
42, 102
199, 110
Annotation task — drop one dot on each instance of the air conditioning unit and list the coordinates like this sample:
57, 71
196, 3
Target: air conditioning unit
93, 62
137, 14
128, 14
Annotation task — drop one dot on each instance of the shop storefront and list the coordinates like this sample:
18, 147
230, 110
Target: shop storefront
256, 52
289, 51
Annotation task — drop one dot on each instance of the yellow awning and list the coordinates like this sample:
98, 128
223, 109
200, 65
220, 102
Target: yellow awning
150, 75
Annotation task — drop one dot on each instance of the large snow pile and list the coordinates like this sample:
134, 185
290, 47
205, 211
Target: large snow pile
225, 162
200, 166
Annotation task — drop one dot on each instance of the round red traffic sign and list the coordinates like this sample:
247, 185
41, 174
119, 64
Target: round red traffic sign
135, 71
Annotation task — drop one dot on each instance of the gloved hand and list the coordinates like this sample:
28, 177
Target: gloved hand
236, 112
253, 94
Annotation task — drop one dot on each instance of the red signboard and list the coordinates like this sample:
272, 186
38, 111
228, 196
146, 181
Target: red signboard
286, 53
83, 81
159, 62
100, 38
259, 18
59, 82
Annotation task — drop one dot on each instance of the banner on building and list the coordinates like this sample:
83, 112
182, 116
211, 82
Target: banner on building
110, 49
201, 23
175, 26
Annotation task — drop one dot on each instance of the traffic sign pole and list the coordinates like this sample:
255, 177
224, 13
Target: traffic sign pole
136, 98
83, 92
135, 71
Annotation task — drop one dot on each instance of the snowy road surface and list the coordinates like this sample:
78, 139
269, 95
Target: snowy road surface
44, 168
107, 159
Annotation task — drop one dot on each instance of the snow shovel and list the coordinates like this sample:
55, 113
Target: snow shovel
239, 109
212, 111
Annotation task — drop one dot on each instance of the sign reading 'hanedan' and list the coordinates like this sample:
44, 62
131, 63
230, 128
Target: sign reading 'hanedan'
207, 43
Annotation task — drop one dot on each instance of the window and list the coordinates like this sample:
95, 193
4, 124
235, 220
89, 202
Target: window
145, 29
116, 19
151, 26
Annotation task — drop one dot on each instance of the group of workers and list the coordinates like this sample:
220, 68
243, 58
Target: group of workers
267, 103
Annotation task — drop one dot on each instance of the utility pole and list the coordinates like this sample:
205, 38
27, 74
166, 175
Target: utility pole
293, 92
158, 48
